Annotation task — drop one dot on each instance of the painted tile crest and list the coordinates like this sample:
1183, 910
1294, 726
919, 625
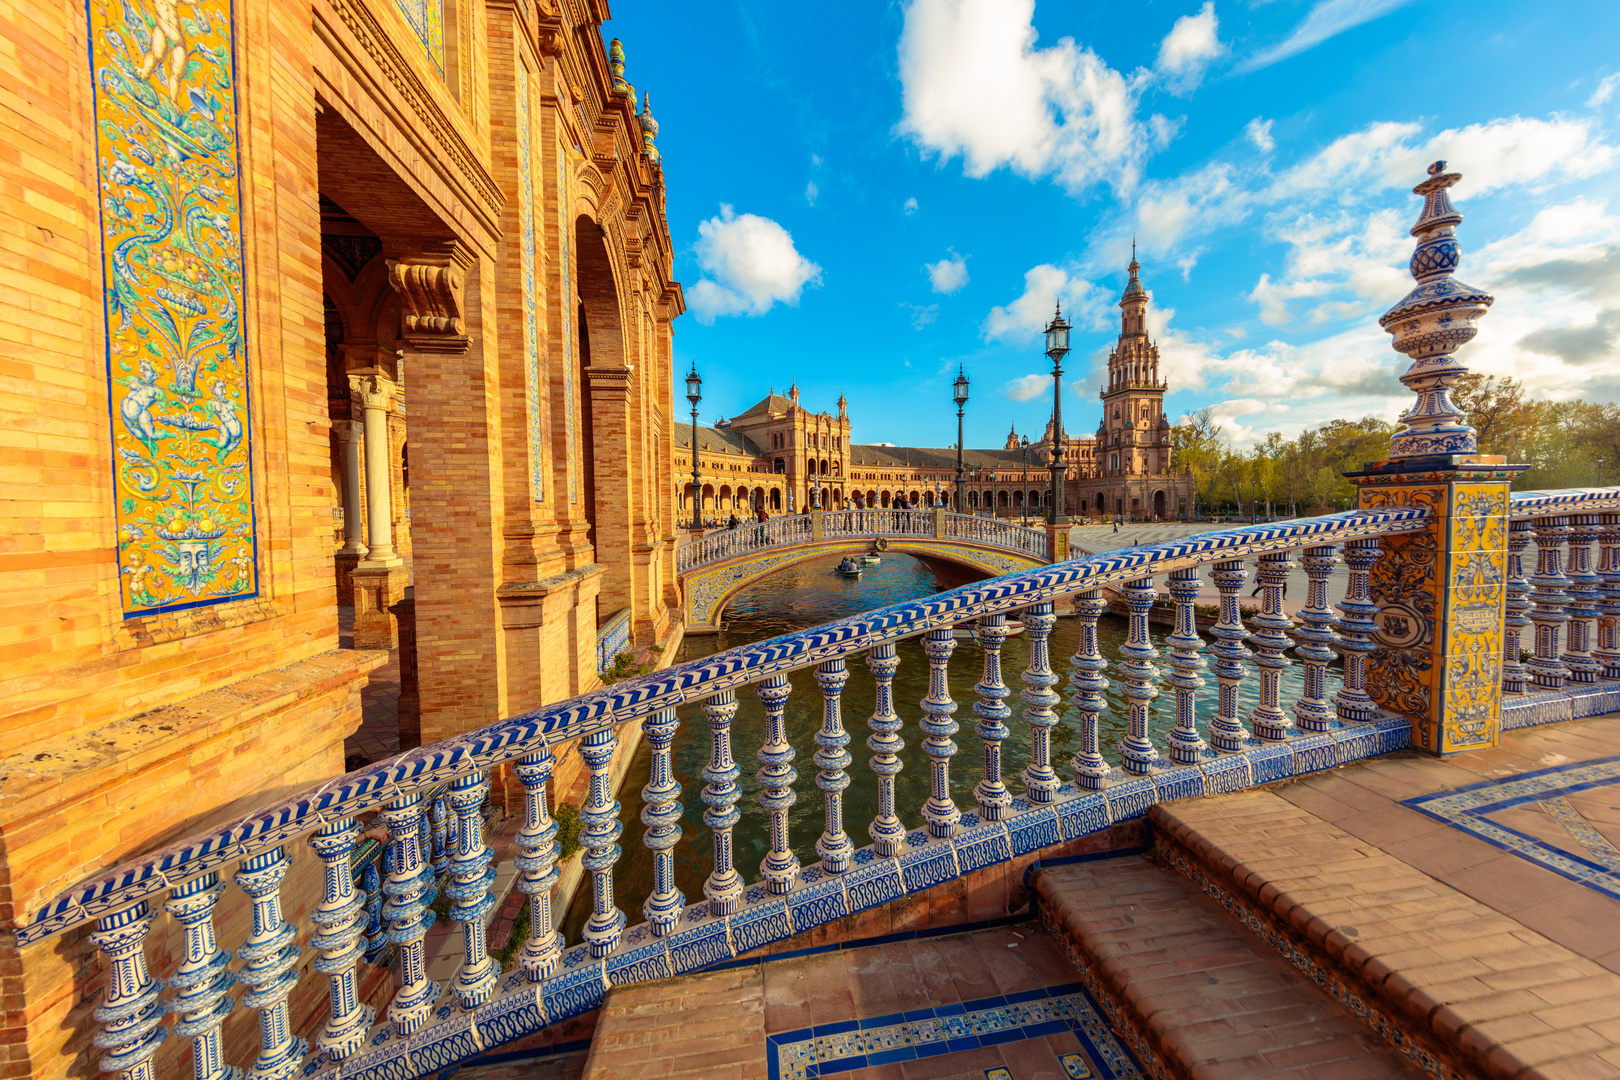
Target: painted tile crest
165, 107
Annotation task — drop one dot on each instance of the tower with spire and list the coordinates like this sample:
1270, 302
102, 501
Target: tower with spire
1134, 435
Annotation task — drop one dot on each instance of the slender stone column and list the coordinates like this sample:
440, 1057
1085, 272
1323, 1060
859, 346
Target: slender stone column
1311, 710
1226, 731
1549, 597
1584, 599
1184, 743
374, 392
1515, 677
1608, 639
776, 776
885, 743
938, 725
1091, 771
349, 433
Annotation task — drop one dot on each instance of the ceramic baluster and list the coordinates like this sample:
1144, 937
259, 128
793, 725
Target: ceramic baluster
1041, 781
1267, 718
599, 832
202, 983
536, 862
938, 725
835, 847
269, 960
1549, 614
340, 919
885, 743
724, 887
1226, 731
131, 1010
1608, 640
408, 913
991, 708
1515, 676
1184, 744
661, 813
1584, 599
1311, 711
1137, 752
1091, 771
470, 876
776, 777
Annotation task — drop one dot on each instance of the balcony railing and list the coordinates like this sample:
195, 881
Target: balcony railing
749, 537
429, 1027
612, 639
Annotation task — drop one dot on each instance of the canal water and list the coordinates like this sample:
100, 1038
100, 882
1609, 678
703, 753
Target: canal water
810, 594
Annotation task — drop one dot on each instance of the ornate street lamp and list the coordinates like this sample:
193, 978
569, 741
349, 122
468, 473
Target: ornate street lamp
1023, 496
1057, 346
959, 391
694, 394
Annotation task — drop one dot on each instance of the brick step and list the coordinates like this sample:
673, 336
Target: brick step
1195, 992
1461, 988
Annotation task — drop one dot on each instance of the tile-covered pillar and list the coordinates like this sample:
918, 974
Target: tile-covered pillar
1441, 593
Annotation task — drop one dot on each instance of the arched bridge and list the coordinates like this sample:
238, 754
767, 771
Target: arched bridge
715, 567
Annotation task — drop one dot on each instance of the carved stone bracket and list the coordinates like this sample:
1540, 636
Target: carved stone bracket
551, 32
432, 284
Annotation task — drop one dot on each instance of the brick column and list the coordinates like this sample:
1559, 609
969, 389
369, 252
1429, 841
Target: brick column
609, 388
458, 518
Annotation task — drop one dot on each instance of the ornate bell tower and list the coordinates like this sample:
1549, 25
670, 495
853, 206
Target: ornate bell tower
1133, 437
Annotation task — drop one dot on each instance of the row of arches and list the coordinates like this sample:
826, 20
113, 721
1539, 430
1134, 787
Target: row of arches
741, 500
873, 499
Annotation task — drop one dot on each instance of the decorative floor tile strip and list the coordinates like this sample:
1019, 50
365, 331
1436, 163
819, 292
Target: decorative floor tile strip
1470, 808
836, 1048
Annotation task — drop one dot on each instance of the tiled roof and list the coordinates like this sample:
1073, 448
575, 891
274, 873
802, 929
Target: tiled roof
865, 456
771, 403
716, 440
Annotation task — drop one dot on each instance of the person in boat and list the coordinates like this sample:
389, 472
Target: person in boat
849, 564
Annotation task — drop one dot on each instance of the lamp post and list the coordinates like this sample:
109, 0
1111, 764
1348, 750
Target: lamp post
959, 391
1023, 496
694, 394
1057, 346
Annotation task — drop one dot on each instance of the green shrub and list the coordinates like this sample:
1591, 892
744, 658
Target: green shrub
568, 826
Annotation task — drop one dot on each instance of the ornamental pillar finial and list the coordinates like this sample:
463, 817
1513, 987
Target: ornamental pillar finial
1430, 324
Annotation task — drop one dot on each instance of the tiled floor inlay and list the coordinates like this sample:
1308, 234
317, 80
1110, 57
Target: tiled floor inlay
1566, 818
829, 1049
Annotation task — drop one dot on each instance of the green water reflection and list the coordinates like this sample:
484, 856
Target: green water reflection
807, 595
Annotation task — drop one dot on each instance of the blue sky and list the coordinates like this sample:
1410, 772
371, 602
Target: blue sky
863, 196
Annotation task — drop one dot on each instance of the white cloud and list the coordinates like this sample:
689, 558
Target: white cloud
749, 263
947, 275
1604, 92
921, 315
1026, 387
1258, 131
810, 192
909, 206
974, 84
1044, 287
1187, 50
1326, 19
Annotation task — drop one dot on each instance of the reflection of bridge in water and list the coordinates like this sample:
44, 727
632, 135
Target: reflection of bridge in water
715, 567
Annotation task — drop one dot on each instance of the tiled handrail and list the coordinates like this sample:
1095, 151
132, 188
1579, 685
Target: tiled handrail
429, 1027
1534, 504
751, 536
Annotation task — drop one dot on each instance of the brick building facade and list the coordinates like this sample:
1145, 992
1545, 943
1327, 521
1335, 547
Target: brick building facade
777, 453
244, 237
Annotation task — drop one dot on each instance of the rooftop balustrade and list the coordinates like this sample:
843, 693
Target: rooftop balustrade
428, 1026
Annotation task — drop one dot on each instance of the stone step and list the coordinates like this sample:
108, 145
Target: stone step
1196, 993
1463, 988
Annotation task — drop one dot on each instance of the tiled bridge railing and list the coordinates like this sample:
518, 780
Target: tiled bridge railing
429, 1027
819, 525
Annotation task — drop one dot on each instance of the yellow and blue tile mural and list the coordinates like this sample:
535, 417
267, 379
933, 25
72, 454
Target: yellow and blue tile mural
426, 20
171, 225
531, 298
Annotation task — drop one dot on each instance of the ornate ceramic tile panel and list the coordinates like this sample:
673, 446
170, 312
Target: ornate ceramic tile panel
164, 93
565, 244
426, 20
1471, 702
1401, 672
532, 395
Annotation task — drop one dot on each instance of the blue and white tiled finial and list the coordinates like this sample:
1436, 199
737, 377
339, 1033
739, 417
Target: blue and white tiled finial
1430, 324
649, 128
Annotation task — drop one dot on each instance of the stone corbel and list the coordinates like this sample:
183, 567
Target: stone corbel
432, 284
550, 31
